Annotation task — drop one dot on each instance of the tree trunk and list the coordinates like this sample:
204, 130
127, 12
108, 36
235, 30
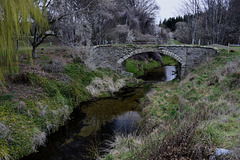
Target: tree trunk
34, 51
35, 43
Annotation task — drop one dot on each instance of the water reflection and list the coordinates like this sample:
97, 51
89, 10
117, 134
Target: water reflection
160, 74
127, 122
110, 109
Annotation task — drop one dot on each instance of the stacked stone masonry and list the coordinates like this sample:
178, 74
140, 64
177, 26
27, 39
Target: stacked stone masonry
114, 56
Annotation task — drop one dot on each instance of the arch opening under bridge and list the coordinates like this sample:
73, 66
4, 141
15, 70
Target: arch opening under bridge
180, 66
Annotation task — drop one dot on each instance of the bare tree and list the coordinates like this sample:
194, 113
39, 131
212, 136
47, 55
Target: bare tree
212, 21
215, 14
233, 22
63, 21
192, 11
109, 16
138, 14
103, 19
183, 32
88, 22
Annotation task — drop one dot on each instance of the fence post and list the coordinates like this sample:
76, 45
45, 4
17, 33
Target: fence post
193, 40
228, 47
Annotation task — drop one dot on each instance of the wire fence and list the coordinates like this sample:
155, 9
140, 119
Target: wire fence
233, 45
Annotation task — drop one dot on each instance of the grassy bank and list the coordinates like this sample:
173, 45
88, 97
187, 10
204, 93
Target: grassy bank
168, 61
191, 118
41, 97
138, 67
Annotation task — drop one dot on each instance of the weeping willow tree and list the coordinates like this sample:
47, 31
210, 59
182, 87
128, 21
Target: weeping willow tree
16, 18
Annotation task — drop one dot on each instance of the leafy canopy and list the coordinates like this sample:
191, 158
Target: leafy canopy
16, 17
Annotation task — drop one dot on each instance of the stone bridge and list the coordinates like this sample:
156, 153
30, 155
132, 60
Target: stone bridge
114, 56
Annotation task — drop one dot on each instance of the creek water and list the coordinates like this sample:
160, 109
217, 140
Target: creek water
95, 122
160, 74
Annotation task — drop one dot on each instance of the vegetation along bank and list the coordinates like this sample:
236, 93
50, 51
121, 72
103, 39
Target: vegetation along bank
189, 119
40, 98
183, 120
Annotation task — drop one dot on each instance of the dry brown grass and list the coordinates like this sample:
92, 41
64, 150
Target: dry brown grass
39, 140
221, 73
105, 84
3, 131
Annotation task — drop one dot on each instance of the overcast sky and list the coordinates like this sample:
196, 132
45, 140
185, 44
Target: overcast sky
168, 8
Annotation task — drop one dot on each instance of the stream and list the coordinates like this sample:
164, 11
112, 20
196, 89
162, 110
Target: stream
94, 123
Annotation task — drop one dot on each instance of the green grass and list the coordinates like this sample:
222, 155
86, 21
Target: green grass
169, 61
192, 117
22, 131
28, 120
138, 67
45, 58
25, 50
6, 97
235, 48
176, 42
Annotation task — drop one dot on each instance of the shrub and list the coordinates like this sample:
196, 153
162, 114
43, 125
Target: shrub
54, 67
21, 78
6, 97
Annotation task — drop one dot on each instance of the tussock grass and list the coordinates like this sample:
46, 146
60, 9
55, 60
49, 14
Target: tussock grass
54, 67
3, 131
190, 119
38, 140
124, 143
106, 84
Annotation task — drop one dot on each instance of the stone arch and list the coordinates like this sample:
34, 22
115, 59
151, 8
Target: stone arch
180, 68
175, 56
162, 51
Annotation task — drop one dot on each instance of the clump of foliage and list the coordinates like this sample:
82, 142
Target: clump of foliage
188, 120
54, 67
171, 22
15, 20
